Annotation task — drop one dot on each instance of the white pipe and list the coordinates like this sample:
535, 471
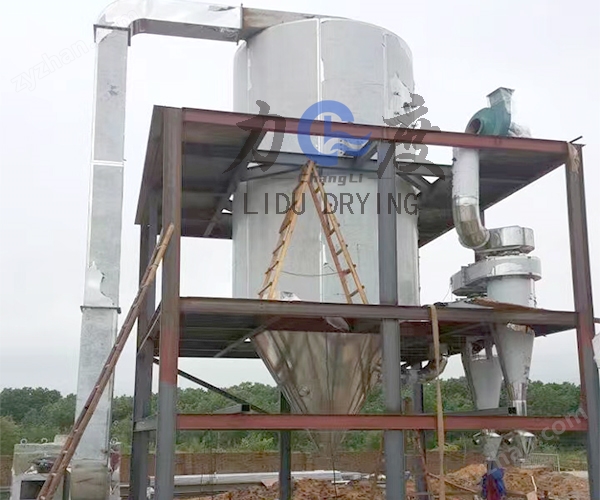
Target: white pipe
465, 199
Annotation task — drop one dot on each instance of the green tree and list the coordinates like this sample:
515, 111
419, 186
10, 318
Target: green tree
40, 413
122, 408
16, 403
121, 430
57, 417
552, 399
10, 434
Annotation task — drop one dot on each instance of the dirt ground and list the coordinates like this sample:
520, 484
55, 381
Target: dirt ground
560, 486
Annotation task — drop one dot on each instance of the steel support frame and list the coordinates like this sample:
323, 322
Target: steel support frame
304, 309
393, 440
291, 162
582, 318
216, 390
170, 308
584, 308
285, 454
139, 473
363, 422
375, 132
418, 408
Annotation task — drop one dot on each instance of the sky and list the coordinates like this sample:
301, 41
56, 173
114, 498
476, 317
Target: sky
548, 51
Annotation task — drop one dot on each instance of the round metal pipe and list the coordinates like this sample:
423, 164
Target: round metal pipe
465, 199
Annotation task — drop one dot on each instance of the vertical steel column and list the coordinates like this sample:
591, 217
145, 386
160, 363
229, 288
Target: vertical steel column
90, 475
285, 455
169, 309
418, 403
582, 292
138, 475
390, 329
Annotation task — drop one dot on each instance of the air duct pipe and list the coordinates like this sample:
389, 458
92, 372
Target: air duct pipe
430, 371
427, 373
465, 199
496, 119
415, 375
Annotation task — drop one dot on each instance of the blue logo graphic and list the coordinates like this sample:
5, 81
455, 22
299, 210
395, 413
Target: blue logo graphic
351, 145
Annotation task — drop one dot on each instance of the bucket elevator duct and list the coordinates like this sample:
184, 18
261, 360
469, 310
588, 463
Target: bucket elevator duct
504, 272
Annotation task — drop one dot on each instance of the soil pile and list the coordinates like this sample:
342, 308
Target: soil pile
560, 486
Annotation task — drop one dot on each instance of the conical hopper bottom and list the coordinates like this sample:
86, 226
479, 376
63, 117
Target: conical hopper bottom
321, 372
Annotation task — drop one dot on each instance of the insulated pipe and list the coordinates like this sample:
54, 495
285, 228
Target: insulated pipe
465, 199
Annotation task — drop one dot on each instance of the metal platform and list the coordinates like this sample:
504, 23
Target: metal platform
212, 141
215, 327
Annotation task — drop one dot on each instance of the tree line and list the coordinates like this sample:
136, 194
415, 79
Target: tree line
37, 413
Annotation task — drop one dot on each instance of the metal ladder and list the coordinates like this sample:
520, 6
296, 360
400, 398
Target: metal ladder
68, 450
310, 180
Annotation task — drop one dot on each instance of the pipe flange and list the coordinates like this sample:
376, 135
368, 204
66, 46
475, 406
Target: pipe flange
473, 279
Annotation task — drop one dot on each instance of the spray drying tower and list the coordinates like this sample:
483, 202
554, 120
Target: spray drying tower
292, 62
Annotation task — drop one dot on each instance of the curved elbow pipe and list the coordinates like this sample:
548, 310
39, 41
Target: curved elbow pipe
426, 374
465, 199
430, 371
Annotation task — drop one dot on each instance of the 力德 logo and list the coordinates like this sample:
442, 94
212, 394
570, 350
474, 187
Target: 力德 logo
343, 142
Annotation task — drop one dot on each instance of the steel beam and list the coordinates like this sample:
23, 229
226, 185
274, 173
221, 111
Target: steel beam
382, 133
395, 488
216, 390
417, 181
239, 342
170, 310
143, 427
152, 331
582, 293
285, 454
233, 183
139, 478
233, 409
266, 308
418, 407
365, 159
288, 162
274, 422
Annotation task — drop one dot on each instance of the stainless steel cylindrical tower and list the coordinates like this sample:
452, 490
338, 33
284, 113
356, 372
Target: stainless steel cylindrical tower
291, 67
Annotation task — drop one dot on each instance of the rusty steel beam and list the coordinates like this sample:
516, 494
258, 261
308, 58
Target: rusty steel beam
283, 422
266, 308
377, 132
169, 309
139, 472
584, 305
